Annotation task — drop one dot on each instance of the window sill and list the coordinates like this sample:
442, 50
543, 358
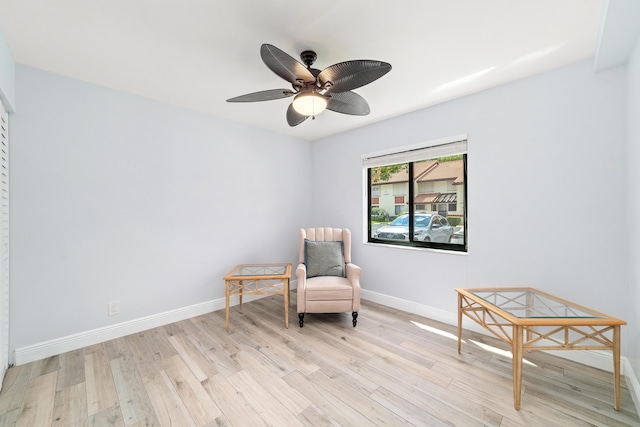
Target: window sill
419, 249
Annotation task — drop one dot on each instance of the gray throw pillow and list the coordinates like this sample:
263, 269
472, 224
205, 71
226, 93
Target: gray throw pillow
323, 258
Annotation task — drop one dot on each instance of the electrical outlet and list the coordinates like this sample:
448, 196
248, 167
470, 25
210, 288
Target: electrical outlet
114, 308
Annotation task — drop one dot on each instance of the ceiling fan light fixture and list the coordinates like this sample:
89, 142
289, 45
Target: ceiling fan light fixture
309, 103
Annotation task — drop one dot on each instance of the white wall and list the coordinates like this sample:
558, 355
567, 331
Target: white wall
115, 197
7, 76
633, 196
546, 204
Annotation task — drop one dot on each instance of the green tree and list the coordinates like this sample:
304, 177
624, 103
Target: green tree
383, 173
449, 158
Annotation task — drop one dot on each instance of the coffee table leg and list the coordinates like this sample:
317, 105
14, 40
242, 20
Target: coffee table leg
286, 302
227, 303
240, 291
616, 366
516, 349
459, 322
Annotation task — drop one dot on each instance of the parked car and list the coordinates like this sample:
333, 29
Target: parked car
427, 228
458, 236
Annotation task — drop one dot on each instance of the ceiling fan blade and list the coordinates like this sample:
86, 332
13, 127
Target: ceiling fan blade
284, 65
293, 117
265, 95
350, 75
348, 103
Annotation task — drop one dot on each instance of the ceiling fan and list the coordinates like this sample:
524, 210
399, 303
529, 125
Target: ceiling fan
315, 90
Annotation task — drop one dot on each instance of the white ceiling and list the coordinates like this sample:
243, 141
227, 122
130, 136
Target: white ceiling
198, 53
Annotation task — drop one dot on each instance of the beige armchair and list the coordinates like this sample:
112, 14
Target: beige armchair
327, 280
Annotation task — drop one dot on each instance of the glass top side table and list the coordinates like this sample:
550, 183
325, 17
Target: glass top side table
258, 279
528, 319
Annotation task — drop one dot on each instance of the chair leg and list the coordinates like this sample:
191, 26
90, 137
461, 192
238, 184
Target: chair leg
301, 319
355, 318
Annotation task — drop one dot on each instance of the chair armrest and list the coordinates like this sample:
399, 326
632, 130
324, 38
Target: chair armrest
301, 274
353, 275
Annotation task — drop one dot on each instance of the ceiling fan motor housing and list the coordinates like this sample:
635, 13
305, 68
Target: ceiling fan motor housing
308, 58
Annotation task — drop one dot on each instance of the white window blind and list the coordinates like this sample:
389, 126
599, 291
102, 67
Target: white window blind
416, 153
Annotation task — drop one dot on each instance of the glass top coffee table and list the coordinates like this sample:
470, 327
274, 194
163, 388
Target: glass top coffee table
258, 279
528, 319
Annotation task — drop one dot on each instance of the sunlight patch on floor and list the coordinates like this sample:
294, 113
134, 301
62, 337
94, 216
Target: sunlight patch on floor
499, 351
483, 346
435, 330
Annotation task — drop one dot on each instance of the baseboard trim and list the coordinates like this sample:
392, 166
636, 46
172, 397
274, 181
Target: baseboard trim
597, 359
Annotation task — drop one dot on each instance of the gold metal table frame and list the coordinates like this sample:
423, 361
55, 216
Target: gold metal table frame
258, 279
528, 319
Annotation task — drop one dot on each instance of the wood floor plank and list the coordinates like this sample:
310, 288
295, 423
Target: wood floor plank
116, 348
147, 423
270, 409
111, 417
37, 405
289, 397
234, 404
528, 415
100, 388
132, 395
197, 401
45, 366
329, 406
357, 401
71, 370
14, 387
220, 356
70, 407
200, 366
274, 362
148, 348
588, 413
409, 372
432, 398
181, 327
169, 407
338, 403
415, 415
9, 419
313, 416
276, 345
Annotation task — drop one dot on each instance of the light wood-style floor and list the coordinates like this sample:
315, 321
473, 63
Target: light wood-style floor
394, 368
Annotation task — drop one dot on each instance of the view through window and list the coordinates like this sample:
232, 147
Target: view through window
417, 197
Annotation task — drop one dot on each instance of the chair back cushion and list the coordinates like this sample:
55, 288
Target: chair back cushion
323, 258
326, 234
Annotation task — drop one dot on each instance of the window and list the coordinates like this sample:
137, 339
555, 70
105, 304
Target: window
420, 195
